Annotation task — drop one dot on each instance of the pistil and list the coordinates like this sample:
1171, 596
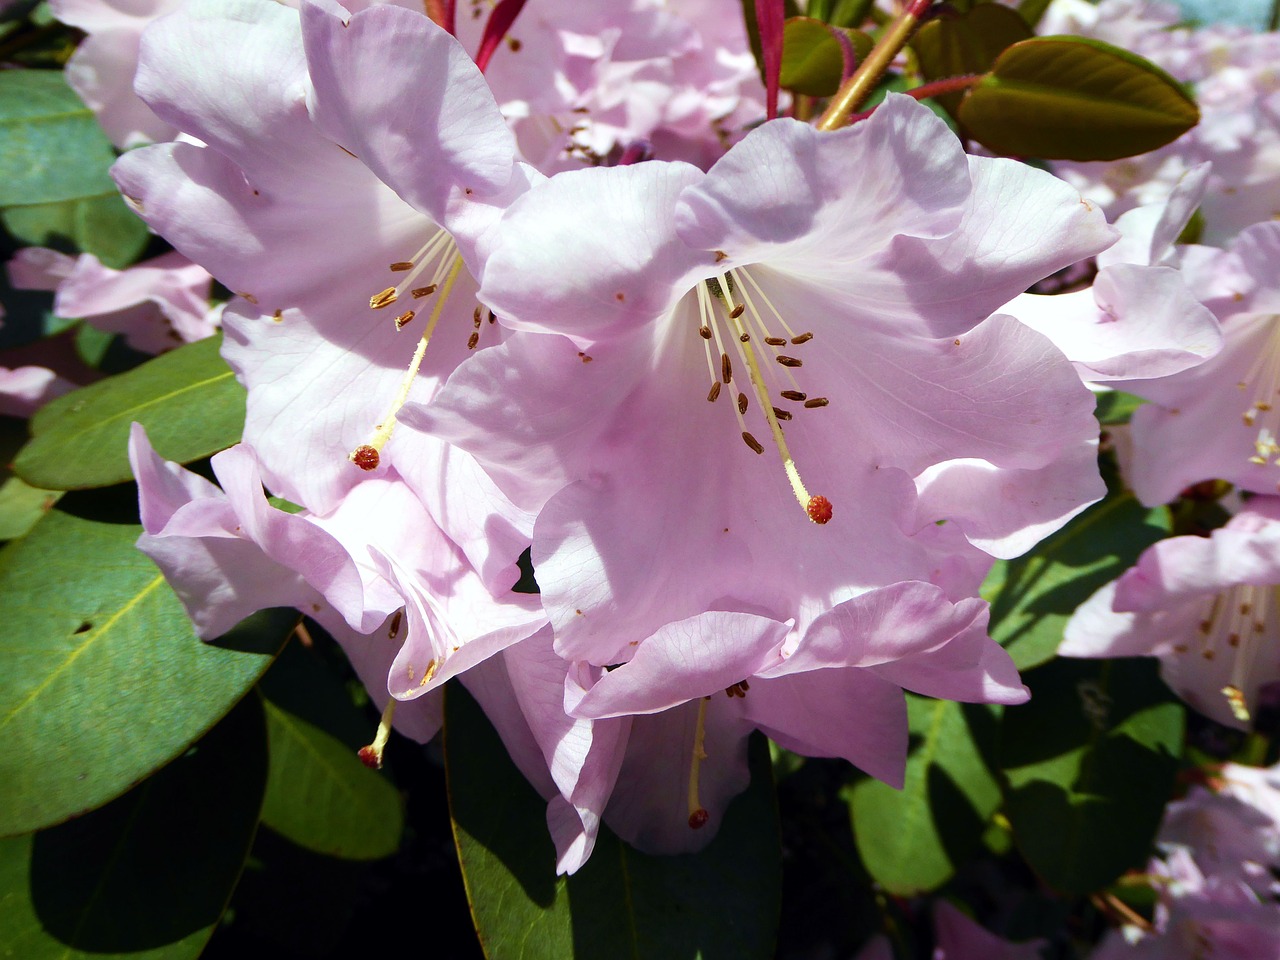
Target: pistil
698, 815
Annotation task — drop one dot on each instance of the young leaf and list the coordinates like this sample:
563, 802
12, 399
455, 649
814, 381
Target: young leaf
912, 840
966, 44
188, 400
1090, 764
1033, 596
104, 680
813, 58
54, 149
1071, 98
720, 903
149, 874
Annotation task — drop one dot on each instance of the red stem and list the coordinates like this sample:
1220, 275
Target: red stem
495, 28
935, 88
771, 20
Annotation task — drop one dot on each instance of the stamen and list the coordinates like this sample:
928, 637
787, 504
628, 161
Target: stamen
782, 414
400, 266
794, 395
371, 756
714, 391
383, 299
737, 311
698, 815
726, 368
705, 332
745, 338
803, 338
816, 402
472, 341
789, 361
404, 318
742, 403
752, 442
420, 292
776, 341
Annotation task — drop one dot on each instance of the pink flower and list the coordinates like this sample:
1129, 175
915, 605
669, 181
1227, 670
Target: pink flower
353, 167
1207, 607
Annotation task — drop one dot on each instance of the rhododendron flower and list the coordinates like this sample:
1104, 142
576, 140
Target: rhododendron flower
156, 305
796, 335
354, 165
1207, 607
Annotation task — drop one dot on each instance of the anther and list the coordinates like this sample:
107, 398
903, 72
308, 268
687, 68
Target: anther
1235, 698
794, 395
400, 266
742, 403
383, 299
420, 292
745, 338
726, 368
476, 316
776, 341
819, 509
714, 391
816, 402
472, 341
404, 318
365, 457
704, 332
736, 312
782, 414
789, 361
803, 338
752, 442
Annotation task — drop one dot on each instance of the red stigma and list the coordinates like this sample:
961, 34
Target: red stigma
370, 758
366, 458
698, 819
819, 509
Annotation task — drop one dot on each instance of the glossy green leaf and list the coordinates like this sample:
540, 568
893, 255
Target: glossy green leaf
1090, 763
320, 796
148, 875
912, 840
1116, 407
966, 44
1033, 10
840, 13
1033, 596
813, 58
54, 149
1071, 98
720, 904
188, 400
102, 225
22, 506
104, 680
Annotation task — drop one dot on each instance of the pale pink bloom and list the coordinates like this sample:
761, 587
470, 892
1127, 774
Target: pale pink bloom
354, 166
24, 390
580, 83
1208, 607
155, 305
1138, 319
960, 938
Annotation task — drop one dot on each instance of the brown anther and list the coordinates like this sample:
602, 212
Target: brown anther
752, 442
704, 333
789, 361
819, 509
250, 297
698, 819
514, 44
400, 266
1233, 640
404, 318
383, 299
721, 255
714, 391
816, 402
1207, 654
736, 312
782, 414
492, 317
744, 338
776, 341
794, 395
420, 292
396, 619
1206, 626
475, 316
1264, 407
278, 316
365, 457
472, 341
726, 368
803, 338
742, 403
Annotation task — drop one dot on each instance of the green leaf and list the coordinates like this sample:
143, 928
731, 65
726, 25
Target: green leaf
1071, 98
320, 796
1090, 764
149, 874
1116, 407
1033, 10
912, 840
104, 680
720, 904
22, 506
102, 225
966, 44
1033, 596
188, 400
812, 57
54, 149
